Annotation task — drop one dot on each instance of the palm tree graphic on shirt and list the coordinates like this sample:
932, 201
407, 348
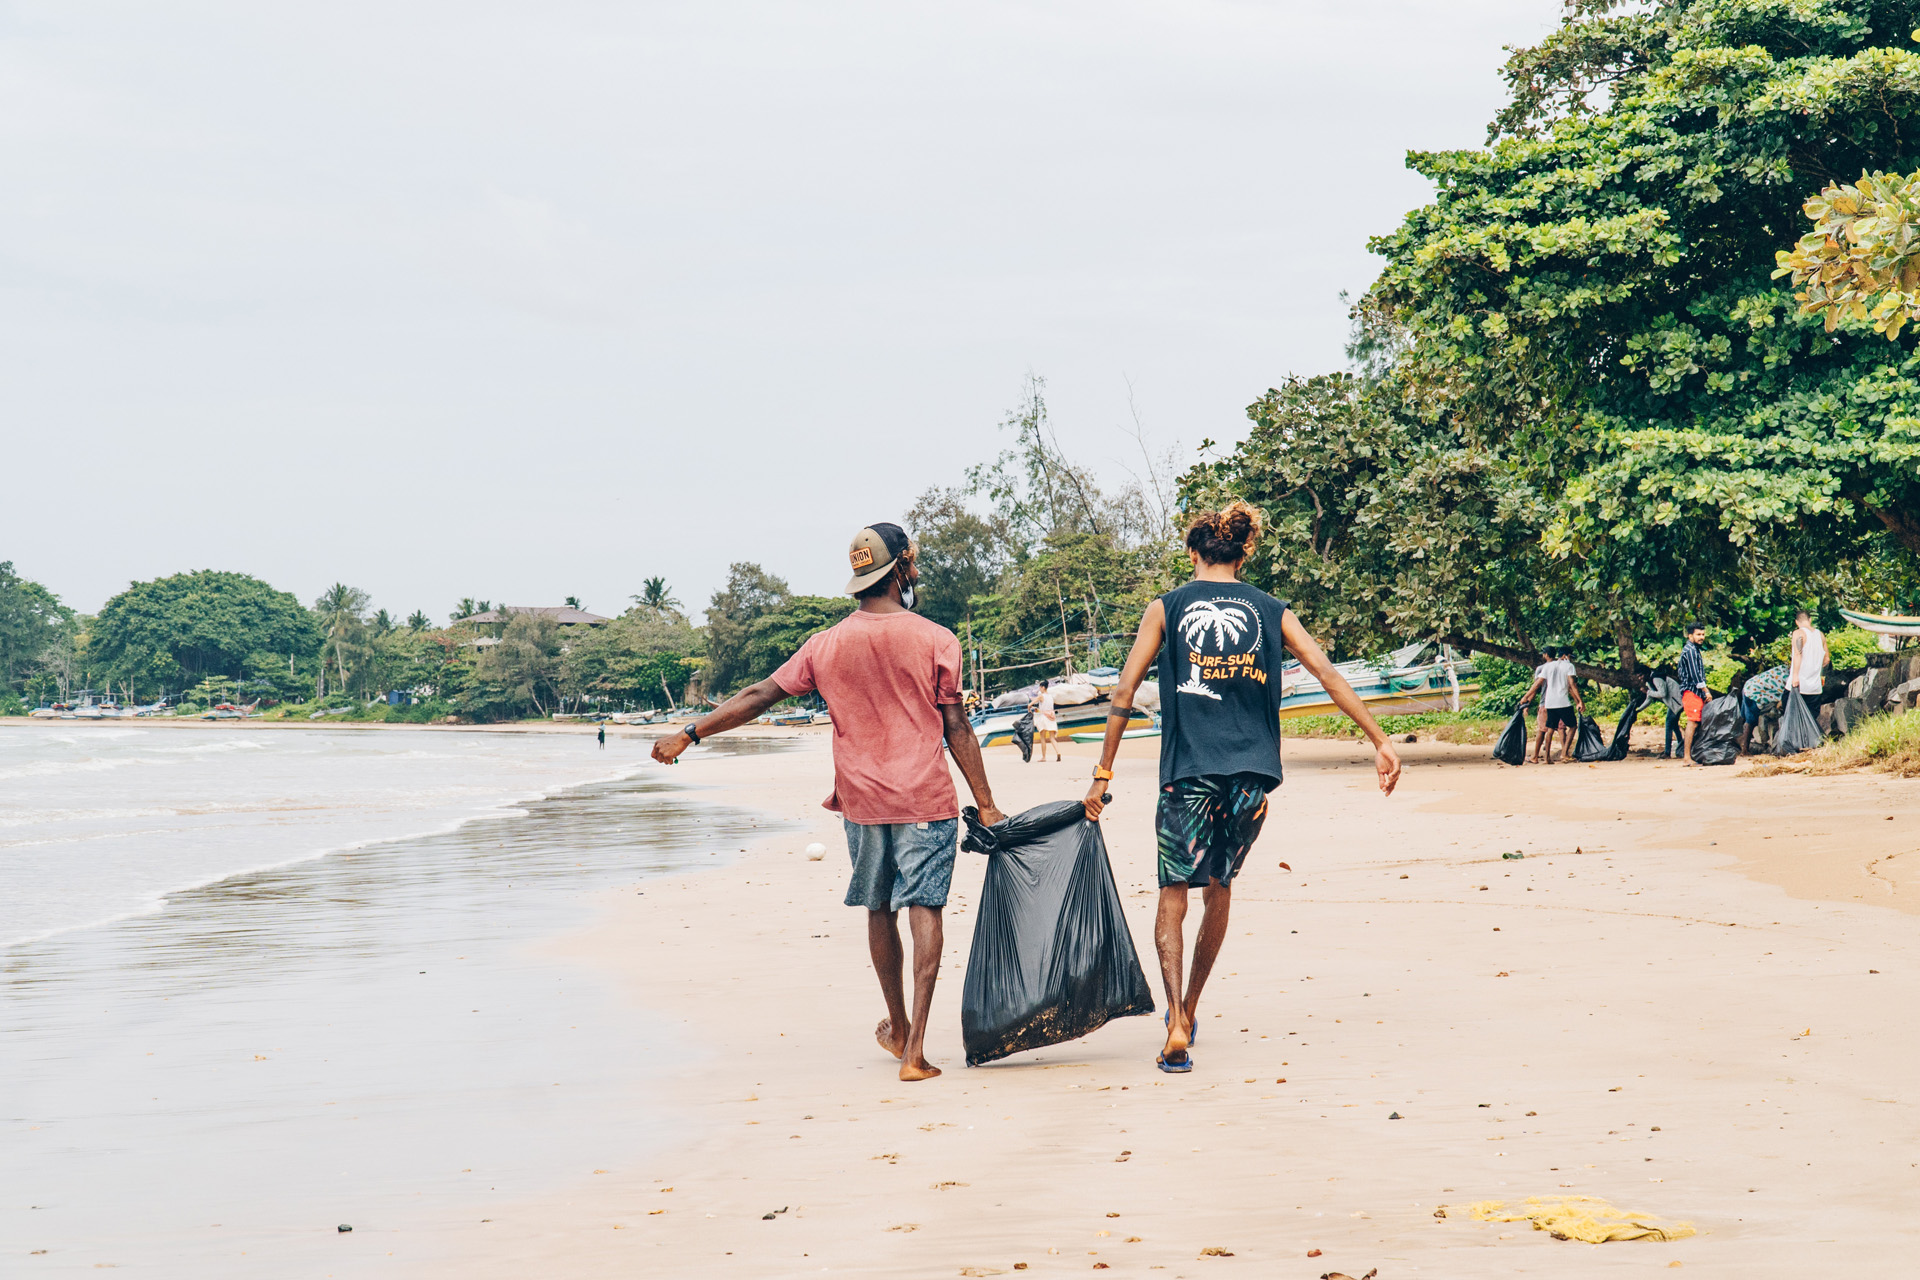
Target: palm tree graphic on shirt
1205, 620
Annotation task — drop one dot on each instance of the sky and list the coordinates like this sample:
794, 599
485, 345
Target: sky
522, 301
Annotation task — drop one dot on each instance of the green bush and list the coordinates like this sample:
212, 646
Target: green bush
10, 705
1502, 685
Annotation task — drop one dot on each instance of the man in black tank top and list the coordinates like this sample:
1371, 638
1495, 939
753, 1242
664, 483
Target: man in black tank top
1220, 646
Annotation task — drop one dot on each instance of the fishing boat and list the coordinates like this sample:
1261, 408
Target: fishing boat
1418, 677
1883, 624
995, 725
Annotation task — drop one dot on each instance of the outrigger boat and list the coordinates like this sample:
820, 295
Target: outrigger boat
1883, 624
1398, 683
1417, 677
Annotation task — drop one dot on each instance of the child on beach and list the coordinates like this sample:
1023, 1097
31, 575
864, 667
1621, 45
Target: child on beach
893, 681
1045, 727
1220, 645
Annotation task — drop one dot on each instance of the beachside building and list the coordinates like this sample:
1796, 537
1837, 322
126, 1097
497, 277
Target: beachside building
488, 626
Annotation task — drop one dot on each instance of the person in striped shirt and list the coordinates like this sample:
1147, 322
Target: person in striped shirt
1693, 688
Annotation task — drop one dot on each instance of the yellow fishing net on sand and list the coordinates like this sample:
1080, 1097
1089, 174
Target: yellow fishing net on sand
1585, 1218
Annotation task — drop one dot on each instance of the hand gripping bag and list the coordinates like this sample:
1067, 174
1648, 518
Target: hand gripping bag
1023, 736
1512, 747
1798, 730
1052, 958
1717, 740
1589, 745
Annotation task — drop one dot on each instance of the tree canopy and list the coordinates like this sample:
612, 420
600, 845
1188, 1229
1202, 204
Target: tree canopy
1603, 413
178, 630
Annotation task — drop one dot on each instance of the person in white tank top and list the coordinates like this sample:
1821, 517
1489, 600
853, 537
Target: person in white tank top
1807, 670
1046, 728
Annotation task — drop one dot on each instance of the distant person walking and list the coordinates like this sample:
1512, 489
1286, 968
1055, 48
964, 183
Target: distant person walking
1692, 673
1046, 726
893, 681
1220, 646
1806, 672
1557, 707
603, 735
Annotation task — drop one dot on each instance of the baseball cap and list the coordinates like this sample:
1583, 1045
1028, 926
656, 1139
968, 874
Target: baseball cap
873, 552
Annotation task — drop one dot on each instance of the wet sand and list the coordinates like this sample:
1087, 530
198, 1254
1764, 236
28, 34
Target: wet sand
1671, 1001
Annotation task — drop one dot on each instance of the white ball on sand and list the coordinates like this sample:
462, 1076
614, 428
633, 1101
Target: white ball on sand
816, 851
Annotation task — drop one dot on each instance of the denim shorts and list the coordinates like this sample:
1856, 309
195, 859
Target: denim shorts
901, 864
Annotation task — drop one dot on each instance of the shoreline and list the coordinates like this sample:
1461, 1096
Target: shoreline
1615, 979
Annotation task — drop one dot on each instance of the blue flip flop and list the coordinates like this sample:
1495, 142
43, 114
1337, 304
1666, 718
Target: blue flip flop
1193, 1033
1174, 1068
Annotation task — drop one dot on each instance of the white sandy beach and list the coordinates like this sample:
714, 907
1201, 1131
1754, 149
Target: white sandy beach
1689, 998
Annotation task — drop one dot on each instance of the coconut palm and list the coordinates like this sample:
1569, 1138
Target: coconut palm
341, 609
1204, 617
418, 620
655, 594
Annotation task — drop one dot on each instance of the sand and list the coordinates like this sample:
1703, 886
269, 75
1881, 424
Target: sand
1670, 1002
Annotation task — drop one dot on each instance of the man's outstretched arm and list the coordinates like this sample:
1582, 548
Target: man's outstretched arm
966, 754
748, 704
1145, 651
1386, 761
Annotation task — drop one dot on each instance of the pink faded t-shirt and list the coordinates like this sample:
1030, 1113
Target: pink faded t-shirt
885, 677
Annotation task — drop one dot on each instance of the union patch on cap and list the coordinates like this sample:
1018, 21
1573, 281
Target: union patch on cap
861, 558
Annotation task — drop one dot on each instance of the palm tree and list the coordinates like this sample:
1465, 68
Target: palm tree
418, 620
340, 608
382, 623
1204, 616
656, 595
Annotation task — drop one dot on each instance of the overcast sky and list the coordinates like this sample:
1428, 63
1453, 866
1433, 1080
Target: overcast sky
523, 301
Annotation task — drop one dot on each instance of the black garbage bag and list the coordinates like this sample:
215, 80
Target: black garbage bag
1798, 730
1589, 745
1023, 736
1623, 731
1717, 740
1052, 958
1512, 747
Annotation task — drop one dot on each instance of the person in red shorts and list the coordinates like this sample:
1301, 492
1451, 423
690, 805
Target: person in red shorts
1694, 693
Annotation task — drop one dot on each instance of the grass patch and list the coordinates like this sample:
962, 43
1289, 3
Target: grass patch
1890, 744
1448, 726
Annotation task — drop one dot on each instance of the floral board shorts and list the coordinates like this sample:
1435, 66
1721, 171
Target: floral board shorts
1205, 826
901, 864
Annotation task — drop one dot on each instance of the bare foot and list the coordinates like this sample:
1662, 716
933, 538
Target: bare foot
921, 1070
894, 1043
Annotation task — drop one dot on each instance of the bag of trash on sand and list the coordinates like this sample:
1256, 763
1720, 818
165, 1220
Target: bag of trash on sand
1623, 731
1512, 747
1798, 730
1052, 958
1589, 745
1023, 736
1717, 740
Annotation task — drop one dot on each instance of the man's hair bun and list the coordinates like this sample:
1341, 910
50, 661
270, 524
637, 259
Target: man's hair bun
1227, 535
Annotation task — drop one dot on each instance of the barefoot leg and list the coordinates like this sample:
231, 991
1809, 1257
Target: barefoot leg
928, 938
883, 944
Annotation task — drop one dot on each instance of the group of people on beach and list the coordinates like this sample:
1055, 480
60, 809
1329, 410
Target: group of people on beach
1685, 694
893, 679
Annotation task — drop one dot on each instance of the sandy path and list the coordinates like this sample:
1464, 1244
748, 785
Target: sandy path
1627, 1021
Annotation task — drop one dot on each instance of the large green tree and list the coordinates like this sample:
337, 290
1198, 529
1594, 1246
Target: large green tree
1604, 413
751, 592
175, 631
31, 620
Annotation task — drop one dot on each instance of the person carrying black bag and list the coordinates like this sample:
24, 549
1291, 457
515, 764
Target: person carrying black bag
1220, 646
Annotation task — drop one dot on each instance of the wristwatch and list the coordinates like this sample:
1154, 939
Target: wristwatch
691, 735
1102, 775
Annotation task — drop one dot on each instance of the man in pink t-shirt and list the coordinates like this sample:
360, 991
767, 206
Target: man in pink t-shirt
892, 680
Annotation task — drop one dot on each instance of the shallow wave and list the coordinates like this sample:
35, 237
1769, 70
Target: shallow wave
211, 748
54, 768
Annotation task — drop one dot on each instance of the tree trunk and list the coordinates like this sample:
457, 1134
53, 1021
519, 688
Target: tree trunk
1601, 675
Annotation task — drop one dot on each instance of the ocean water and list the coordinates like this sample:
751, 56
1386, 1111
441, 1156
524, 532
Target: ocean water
259, 983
